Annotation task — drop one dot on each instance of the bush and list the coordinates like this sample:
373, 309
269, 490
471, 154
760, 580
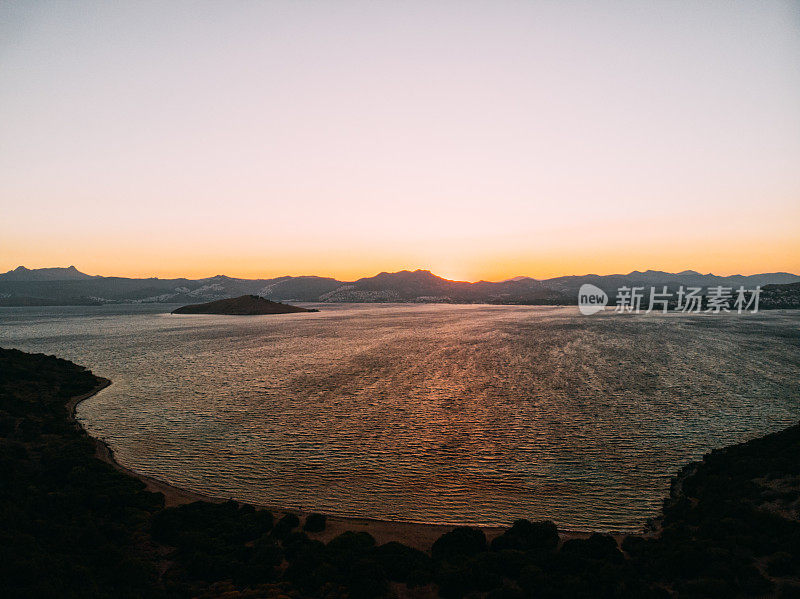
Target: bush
348, 548
296, 543
454, 580
315, 522
262, 521
598, 547
782, 564
460, 542
367, 580
285, 525
789, 590
506, 592
527, 536
267, 553
514, 561
487, 570
209, 525
706, 588
752, 583
404, 564
636, 546
309, 574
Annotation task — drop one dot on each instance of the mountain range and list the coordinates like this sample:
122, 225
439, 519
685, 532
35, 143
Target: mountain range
69, 286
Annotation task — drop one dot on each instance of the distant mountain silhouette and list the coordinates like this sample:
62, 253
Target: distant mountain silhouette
245, 305
68, 286
424, 286
306, 288
44, 274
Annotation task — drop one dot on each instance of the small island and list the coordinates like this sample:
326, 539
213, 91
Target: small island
245, 305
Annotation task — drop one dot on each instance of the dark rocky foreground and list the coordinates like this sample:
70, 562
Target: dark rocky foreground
245, 305
74, 526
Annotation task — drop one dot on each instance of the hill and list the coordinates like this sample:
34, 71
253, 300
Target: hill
44, 274
245, 305
68, 286
780, 296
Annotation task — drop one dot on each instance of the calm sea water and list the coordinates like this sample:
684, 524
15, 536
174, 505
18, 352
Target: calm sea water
427, 413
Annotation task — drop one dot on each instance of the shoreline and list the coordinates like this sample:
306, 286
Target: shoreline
729, 527
414, 534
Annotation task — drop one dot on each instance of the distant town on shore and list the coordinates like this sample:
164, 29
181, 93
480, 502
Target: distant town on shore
69, 286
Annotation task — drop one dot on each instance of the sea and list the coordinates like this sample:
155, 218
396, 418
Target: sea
431, 413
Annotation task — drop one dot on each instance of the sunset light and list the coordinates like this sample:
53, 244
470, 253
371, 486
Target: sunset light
345, 139
419, 299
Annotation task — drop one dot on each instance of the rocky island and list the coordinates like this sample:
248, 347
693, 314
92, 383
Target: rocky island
245, 305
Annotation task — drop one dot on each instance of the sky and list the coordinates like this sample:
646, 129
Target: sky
480, 140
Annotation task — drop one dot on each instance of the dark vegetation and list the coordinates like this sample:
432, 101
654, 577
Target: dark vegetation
73, 526
315, 522
70, 525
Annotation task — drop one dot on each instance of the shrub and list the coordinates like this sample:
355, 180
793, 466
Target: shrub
262, 520
526, 536
789, 590
514, 561
506, 592
460, 542
295, 543
454, 580
403, 563
209, 525
367, 580
315, 522
309, 574
635, 546
706, 588
348, 548
487, 570
285, 525
267, 553
598, 547
782, 564
752, 583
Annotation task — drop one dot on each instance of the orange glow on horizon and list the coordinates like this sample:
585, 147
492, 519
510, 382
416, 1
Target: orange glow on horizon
502, 140
778, 256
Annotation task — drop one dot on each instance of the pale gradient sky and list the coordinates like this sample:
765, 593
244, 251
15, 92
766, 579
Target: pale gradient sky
476, 139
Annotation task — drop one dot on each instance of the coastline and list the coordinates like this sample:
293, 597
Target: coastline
414, 534
729, 527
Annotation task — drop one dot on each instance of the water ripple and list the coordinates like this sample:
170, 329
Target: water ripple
454, 414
